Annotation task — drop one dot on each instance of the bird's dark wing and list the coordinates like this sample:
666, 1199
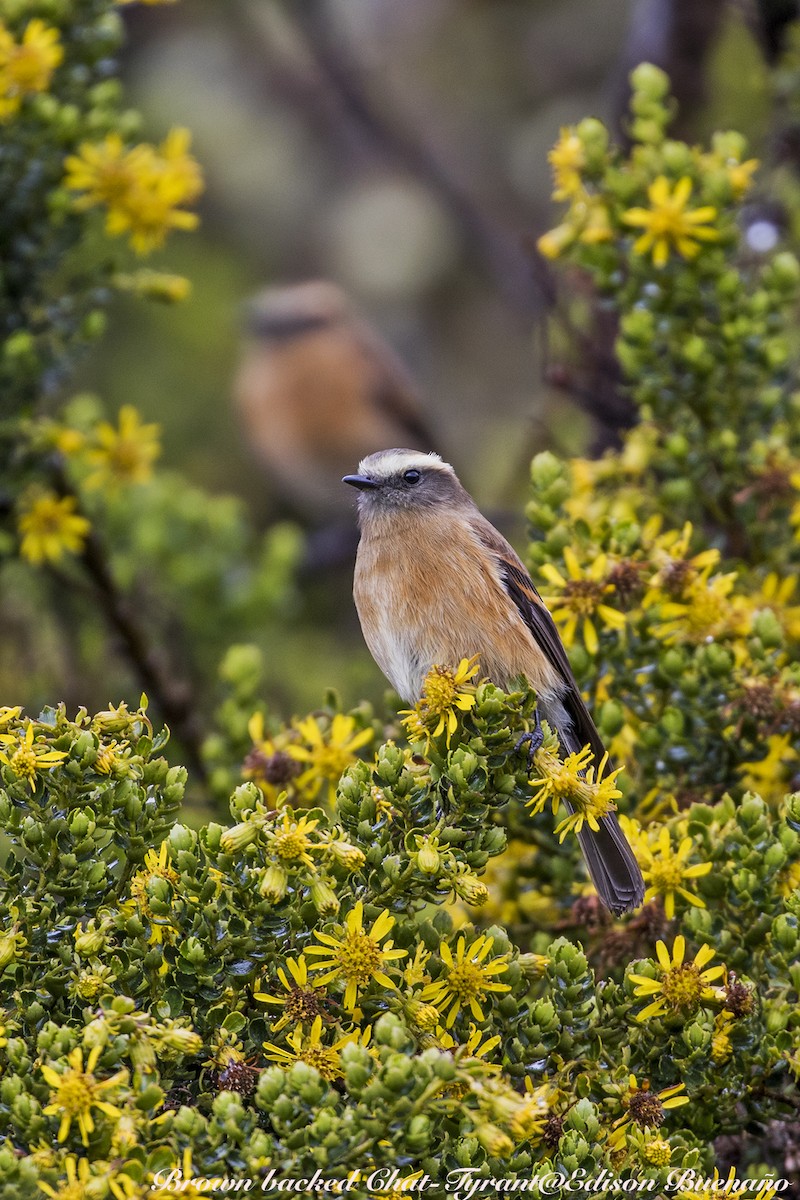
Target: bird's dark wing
610, 859
531, 607
519, 585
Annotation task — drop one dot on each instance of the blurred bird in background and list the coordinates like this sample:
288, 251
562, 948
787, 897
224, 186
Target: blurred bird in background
318, 389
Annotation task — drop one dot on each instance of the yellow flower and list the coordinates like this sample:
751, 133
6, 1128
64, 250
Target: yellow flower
27, 67
125, 454
50, 527
151, 208
156, 867
444, 692
357, 956
581, 602
576, 781
289, 840
567, 158
11, 943
142, 188
302, 1000
328, 757
76, 1092
665, 871
682, 986
721, 1046
708, 610
269, 763
26, 758
668, 224
78, 1174
309, 1049
740, 175
467, 978
104, 172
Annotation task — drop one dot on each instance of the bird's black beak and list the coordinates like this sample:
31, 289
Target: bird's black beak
362, 482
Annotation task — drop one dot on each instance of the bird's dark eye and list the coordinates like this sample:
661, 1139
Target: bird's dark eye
412, 476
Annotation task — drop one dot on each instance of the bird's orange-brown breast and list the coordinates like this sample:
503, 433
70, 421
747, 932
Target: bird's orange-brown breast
427, 593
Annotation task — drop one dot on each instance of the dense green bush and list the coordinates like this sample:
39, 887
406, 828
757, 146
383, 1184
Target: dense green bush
391, 958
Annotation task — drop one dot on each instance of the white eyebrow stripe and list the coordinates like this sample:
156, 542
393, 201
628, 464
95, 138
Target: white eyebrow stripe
391, 462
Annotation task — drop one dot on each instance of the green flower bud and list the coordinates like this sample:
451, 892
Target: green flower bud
545, 470
650, 82
428, 858
471, 889
347, 855
494, 1141
274, 883
767, 627
239, 837
324, 897
422, 1016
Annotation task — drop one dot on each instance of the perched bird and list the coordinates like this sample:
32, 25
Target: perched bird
434, 583
317, 389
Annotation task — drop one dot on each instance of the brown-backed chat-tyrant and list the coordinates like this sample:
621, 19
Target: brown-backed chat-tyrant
434, 583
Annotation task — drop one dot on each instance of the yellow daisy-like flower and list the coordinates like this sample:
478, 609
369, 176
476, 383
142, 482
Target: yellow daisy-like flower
302, 1001
269, 763
575, 781
708, 609
567, 158
104, 172
665, 871
50, 527
668, 224
289, 840
76, 1092
156, 866
328, 755
581, 602
682, 986
142, 188
357, 956
27, 67
644, 1108
309, 1048
124, 454
468, 978
445, 693
26, 757
170, 178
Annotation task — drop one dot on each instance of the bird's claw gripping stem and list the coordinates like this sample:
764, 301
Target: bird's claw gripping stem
533, 737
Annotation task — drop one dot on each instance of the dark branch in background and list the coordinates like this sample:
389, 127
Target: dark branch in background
172, 695
770, 22
679, 36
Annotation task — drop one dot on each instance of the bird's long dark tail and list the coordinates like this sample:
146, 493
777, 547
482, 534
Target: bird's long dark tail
611, 862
